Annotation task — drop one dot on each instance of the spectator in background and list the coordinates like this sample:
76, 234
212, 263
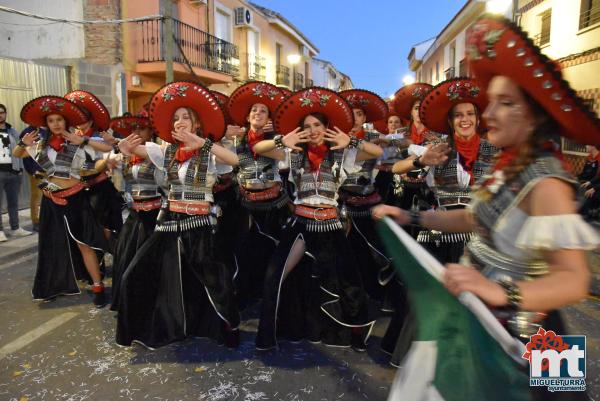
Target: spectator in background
35, 173
11, 169
590, 184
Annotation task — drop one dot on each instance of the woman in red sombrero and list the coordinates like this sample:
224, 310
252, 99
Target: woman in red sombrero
358, 194
452, 108
143, 182
104, 197
527, 252
175, 286
313, 289
69, 234
263, 195
411, 190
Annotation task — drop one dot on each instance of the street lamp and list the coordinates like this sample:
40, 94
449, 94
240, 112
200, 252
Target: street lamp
408, 80
498, 6
293, 59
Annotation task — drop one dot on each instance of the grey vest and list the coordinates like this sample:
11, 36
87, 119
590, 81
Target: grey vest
196, 184
69, 161
324, 182
144, 186
447, 189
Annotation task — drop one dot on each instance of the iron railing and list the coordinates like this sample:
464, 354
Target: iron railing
542, 38
298, 81
589, 15
192, 47
283, 75
310, 83
450, 73
257, 67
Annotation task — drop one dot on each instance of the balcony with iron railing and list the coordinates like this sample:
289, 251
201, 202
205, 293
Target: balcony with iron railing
542, 39
283, 75
450, 73
192, 47
309, 83
257, 67
589, 16
298, 81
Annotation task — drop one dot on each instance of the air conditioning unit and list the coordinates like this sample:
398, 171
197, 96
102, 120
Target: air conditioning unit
243, 17
197, 2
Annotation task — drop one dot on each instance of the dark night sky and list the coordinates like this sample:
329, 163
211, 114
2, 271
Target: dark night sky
368, 39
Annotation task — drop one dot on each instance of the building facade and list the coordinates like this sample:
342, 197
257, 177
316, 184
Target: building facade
219, 43
568, 31
443, 57
91, 53
325, 74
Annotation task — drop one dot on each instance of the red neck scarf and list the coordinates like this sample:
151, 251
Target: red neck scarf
593, 158
135, 159
468, 150
56, 142
359, 134
316, 155
254, 138
507, 156
184, 155
417, 137
89, 132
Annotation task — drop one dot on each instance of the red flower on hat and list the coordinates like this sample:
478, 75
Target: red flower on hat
542, 341
173, 91
481, 39
51, 104
461, 90
261, 90
309, 97
356, 100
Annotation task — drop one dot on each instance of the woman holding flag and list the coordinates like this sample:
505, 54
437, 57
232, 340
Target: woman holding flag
527, 253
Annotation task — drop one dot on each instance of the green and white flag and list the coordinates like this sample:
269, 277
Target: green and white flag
460, 351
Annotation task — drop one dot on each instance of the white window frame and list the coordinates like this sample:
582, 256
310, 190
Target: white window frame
219, 7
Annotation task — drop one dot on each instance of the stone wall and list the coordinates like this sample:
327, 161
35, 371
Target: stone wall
97, 79
102, 42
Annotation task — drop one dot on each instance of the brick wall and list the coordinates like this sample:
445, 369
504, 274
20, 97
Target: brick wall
102, 42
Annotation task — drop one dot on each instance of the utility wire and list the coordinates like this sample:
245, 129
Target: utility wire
94, 22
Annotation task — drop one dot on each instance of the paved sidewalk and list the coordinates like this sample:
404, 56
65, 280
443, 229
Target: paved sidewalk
15, 248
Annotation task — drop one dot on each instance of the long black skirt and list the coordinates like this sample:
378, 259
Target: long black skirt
257, 244
175, 288
233, 224
60, 263
107, 204
384, 183
137, 229
375, 266
322, 299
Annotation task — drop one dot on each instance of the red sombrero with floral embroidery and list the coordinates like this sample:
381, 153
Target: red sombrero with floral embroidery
495, 46
444, 96
124, 126
223, 101
372, 104
381, 126
172, 96
313, 100
242, 99
405, 98
90, 103
286, 92
34, 113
